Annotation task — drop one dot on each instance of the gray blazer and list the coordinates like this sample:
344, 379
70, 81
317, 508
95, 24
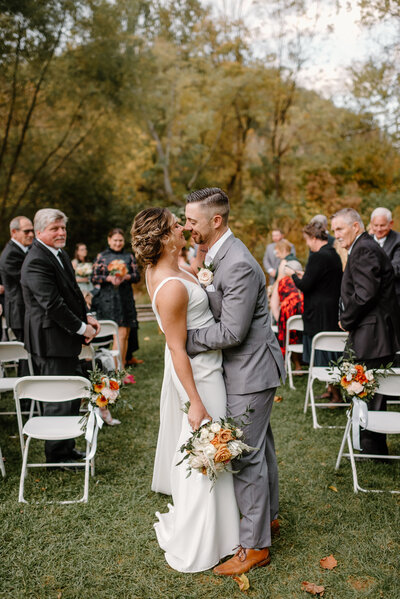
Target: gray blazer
252, 359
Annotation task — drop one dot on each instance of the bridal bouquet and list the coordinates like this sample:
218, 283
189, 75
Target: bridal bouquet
211, 448
117, 268
105, 390
84, 270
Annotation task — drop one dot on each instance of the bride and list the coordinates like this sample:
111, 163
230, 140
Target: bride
202, 525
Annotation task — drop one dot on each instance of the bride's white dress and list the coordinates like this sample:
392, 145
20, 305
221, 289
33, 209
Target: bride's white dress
201, 526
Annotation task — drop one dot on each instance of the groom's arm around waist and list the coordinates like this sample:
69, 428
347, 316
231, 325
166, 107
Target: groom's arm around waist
240, 289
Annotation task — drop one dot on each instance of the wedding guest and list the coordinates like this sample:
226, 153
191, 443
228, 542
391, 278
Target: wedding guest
286, 299
320, 285
114, 271
83, 268
368, 307
389, 240
56, 321
11, 260
271, 260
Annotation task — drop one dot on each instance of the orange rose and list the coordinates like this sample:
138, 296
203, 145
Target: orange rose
114, 385
363, 394
223, 454
101, 401
99, 387
222, 436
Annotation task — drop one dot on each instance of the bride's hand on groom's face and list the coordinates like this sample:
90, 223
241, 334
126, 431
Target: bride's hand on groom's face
196, 414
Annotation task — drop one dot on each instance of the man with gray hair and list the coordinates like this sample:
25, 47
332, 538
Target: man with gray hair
389, 240
56, 323
11, 260
368, 307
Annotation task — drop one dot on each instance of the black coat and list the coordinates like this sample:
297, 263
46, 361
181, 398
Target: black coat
321, 288
11, 261
391, 247
54, 305
370, 311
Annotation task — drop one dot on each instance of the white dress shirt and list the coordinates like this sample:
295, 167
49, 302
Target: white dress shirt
212, 251
24, 248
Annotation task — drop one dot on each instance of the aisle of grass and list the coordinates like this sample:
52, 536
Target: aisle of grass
107, 548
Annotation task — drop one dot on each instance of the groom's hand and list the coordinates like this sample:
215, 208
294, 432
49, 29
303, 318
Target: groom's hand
196, 414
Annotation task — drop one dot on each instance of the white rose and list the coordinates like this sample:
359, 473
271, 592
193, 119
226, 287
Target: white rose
210, 451
355, 387
215, 427
195, 461
205, 276
239, 433
369, 374
349, 377
204, 435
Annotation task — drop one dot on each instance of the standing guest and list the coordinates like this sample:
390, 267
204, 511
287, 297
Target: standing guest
114, 271
56, 323
321, 218
286, 299
271, 260
369, 309
320, 285
11, 261
3, 324
389, 240
83, 268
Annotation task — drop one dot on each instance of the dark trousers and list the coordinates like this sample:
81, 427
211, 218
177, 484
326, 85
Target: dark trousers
23, 368
375, 442
58, 451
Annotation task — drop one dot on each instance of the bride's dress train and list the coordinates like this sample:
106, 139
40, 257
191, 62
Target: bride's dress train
201, 526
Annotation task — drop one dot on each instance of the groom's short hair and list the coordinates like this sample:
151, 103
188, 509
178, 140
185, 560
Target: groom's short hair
212, 198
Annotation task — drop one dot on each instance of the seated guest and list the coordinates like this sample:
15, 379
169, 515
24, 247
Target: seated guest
83, 268
286, 300
320, 285
114, 271
389, 240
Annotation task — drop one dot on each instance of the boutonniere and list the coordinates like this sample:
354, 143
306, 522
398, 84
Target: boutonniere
206, 274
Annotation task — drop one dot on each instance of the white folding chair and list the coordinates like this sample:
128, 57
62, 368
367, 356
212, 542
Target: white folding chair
53, 428
107, 328
294, 323
88, 353
325, 341
378, 422
12, 351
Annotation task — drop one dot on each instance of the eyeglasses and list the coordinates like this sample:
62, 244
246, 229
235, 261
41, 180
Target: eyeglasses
26, 231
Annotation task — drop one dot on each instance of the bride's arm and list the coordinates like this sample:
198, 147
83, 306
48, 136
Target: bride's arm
172, 302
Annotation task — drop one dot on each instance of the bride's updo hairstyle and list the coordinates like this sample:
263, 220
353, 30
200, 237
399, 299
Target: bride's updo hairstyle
150, 231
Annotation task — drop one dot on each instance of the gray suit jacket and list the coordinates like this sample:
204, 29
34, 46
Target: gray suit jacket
252, 359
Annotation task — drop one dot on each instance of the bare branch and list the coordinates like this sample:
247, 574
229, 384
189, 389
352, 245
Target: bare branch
13, 96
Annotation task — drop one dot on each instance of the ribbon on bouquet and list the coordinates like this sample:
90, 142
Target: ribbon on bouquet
90, 436
359, 418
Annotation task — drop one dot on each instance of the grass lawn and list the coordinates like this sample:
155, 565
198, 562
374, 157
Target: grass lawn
107, 549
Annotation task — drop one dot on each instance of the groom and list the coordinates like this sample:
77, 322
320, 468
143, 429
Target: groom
252, 364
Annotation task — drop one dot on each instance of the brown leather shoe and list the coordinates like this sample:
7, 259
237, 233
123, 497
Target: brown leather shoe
243, 561
134, 361
275, 528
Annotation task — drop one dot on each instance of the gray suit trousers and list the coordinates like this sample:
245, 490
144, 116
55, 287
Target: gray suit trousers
256, 483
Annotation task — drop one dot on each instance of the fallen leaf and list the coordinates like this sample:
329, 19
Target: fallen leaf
278, 398
146, 338
37, 480
242, 581
328, 562
332, 488
312, 588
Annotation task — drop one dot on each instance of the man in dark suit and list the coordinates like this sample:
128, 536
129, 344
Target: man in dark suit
11, 261
389, 240
368, 306
56, 323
